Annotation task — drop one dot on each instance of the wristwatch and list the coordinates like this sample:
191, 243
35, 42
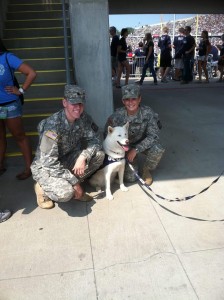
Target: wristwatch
21, 90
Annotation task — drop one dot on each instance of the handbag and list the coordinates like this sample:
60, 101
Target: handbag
15, 81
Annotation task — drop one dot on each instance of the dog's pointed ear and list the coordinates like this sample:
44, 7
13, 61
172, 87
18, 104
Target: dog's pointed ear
110, 129
126, 126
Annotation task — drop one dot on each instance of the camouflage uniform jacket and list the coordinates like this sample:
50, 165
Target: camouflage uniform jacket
60, 142
143, 128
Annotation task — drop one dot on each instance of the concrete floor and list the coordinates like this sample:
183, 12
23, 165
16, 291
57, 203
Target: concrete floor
136, 246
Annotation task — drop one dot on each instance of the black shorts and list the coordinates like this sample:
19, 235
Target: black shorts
165, 61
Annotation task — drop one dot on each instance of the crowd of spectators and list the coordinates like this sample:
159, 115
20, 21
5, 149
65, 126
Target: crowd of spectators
213, 23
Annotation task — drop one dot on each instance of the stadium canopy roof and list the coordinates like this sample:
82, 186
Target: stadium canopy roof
164, 6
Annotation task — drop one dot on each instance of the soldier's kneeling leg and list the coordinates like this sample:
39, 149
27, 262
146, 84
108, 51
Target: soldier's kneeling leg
57, 189
153, 156
129, 175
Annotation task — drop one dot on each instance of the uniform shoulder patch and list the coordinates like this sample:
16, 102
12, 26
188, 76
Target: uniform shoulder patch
51, 134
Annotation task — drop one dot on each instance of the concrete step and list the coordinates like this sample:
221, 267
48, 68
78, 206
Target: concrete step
52, 52
12, 146
34, 23
45, 90
35, 32
56, 14
49, 76
31, 122
53, 41
48, 63
36, 105
30, 7
33, 2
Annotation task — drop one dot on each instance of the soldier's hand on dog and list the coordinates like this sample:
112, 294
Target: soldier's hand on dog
79, 166
131, 155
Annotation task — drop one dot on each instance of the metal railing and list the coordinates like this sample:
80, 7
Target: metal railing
136, 64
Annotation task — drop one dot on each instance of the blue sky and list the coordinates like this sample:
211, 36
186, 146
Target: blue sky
121, 21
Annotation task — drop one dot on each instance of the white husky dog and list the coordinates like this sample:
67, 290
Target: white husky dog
114, 146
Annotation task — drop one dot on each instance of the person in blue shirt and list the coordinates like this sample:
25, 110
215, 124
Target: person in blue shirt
178, 62
11, 107
215, 57
165, 54
187, 50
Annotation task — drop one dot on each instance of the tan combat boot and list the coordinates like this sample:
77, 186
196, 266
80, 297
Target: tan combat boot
42, 200
146, 176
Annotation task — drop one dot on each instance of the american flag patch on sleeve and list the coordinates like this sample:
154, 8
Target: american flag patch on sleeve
51, 134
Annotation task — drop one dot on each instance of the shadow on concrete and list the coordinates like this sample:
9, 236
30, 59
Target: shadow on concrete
192, 119
76, 209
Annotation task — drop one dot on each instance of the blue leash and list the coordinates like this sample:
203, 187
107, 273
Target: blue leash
142, 184
176, 199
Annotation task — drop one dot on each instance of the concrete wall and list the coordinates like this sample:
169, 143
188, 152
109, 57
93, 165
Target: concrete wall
91, 55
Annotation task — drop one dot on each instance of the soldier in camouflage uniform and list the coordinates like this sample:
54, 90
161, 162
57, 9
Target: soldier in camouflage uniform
69, 151
143, 132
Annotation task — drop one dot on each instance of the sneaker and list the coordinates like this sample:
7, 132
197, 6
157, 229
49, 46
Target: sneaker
42, 201
5, 215
155, 83
138, 82
85, 198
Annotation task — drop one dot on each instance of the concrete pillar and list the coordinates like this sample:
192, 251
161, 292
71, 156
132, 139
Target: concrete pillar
89, 20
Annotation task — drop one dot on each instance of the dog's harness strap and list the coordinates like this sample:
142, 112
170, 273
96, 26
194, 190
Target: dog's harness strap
109, 160
167, 199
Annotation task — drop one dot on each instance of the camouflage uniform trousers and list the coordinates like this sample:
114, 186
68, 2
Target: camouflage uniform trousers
152, 158
60, 190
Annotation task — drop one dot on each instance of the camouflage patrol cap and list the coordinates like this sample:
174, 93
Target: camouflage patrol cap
130, 91
74, 94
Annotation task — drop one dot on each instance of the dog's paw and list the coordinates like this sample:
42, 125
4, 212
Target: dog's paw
109, 197
98, 189
123, 188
